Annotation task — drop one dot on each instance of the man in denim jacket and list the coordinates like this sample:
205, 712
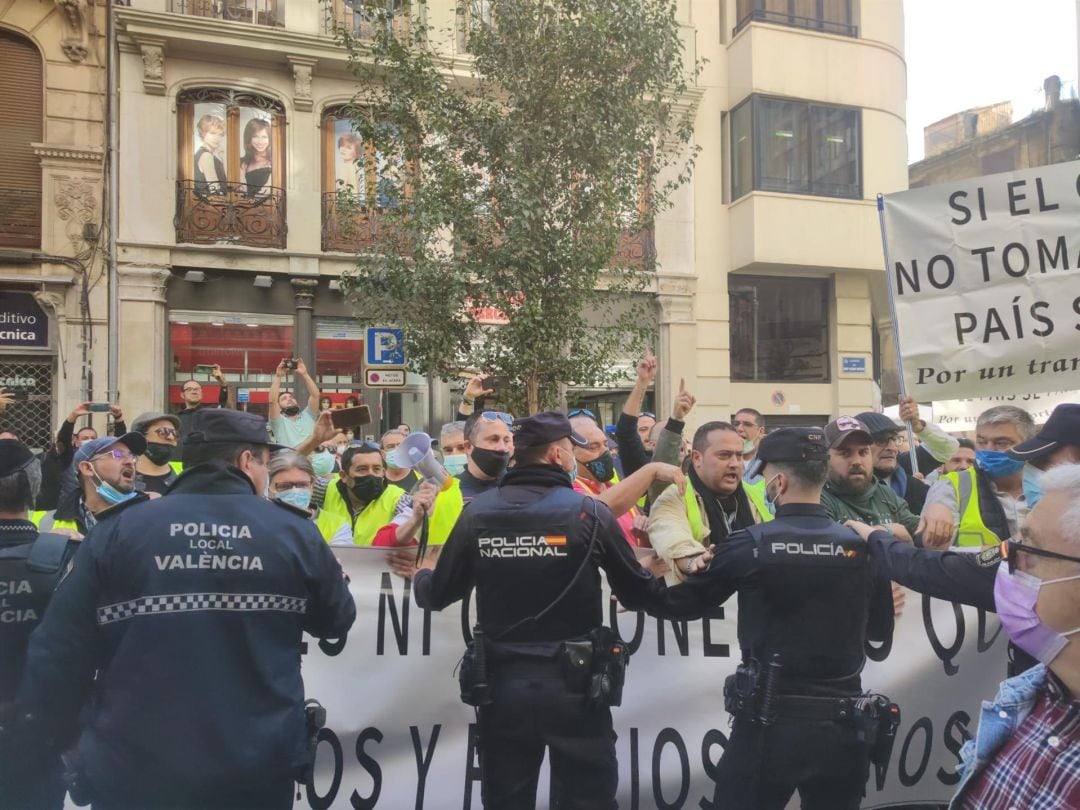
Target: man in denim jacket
1027, 749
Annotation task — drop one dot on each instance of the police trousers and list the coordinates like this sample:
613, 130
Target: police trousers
826, 761
532, 712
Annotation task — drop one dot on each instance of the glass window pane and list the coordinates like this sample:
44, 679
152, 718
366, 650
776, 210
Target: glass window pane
339, 347
835, 144
779, 329
836, 11
742, 155
806, 12
782, 145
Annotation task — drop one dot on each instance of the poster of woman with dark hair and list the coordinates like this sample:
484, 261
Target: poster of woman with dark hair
256, 163
210, 175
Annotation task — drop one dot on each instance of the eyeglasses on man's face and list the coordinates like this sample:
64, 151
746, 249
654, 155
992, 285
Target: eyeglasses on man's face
166, 432
894, 439
123, 456
190, 389
1009, 549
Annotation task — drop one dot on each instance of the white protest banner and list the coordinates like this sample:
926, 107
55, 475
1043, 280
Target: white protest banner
985, 278
955, 415
397, 736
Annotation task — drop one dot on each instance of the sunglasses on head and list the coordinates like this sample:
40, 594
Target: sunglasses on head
648, 414
581, 412
1009, 549
371, 447
497, 416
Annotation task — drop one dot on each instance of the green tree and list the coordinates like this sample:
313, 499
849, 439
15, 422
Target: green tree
516, 173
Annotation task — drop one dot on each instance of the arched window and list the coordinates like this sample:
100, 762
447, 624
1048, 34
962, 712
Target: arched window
231, 168
21, 94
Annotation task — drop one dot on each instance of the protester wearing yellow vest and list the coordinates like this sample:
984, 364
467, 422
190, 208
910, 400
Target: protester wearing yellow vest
360, 494
715, 503
157, 468
487, 445
978, 508
291, 481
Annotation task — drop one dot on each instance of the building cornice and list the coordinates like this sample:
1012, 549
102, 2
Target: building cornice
93, 154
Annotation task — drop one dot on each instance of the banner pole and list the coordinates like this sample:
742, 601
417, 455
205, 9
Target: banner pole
895, 325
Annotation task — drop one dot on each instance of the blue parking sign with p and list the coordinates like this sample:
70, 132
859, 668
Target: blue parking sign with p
385, 346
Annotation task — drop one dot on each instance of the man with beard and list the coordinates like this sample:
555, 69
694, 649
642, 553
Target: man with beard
886, 435
290, 423
158, 467
716, 504
852, 492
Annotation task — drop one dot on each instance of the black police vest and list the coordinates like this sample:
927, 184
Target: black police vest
28, 576
809, 601
525, 556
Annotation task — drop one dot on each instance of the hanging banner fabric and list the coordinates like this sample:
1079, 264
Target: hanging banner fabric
957, 415
985, 276
398, 737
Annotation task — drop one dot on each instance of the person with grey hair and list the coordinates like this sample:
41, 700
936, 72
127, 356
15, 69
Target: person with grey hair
984, 504
405, 477
292, 480
30, 566
1024, 753
452, 446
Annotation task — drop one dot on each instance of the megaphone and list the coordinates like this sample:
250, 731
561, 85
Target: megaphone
415, 453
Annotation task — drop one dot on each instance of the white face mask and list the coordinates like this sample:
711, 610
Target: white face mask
747, 446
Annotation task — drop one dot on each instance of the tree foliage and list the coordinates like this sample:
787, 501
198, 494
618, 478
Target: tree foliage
515, 173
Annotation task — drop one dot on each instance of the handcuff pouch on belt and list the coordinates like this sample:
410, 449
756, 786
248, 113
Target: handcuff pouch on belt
608, 671
881, 719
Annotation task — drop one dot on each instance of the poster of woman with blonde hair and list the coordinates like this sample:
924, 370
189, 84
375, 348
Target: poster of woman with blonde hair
210, 177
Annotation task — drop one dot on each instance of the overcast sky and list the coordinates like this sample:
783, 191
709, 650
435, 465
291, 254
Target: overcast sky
969, 53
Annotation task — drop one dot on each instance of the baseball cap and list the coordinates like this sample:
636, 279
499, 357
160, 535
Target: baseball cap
225, 425
144, 420
878, 423
839, 430
793, 444
14, 455
543, 428
135, 442
1063, 427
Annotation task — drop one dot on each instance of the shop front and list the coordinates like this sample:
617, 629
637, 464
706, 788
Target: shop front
27, 367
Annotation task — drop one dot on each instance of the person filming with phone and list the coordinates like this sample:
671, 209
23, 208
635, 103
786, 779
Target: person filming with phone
291, 424
192, 394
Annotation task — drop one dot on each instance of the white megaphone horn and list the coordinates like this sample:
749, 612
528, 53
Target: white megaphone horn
415, 453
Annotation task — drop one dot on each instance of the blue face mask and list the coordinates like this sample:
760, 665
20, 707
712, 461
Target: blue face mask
997, 464
1033, 491
322, 464
298, 497
770, 503
110, 494
455, 463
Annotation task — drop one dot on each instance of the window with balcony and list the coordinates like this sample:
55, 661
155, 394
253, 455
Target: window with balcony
257, 12
232, 173
361, 19
473, 16
359, 182
21, 93
795, 147
829, 16
779, 329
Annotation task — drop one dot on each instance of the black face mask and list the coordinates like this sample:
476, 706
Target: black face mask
159, 453
602, 467
292, 410
492, 463
368, 488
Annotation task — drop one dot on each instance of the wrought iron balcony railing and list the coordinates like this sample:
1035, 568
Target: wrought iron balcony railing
346, 227
257, 12
212, 213
813, 23
362, 18
20, 217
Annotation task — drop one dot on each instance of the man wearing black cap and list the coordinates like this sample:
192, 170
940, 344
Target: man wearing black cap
887, 437
532, 548
808, 601
191, 610
1056, 443
851, 491
30, 564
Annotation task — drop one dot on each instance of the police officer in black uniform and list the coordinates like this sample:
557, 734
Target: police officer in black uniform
808, 601
191, 609
533, 547
30, 565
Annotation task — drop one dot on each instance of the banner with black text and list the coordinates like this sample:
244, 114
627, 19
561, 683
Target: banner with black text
398, 737
985, 276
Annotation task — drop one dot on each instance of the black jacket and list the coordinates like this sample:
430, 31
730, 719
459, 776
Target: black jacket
191, 608
807, 590
521, 545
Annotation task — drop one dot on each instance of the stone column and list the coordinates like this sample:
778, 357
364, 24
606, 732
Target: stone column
678, 339
304, 333
145, 371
